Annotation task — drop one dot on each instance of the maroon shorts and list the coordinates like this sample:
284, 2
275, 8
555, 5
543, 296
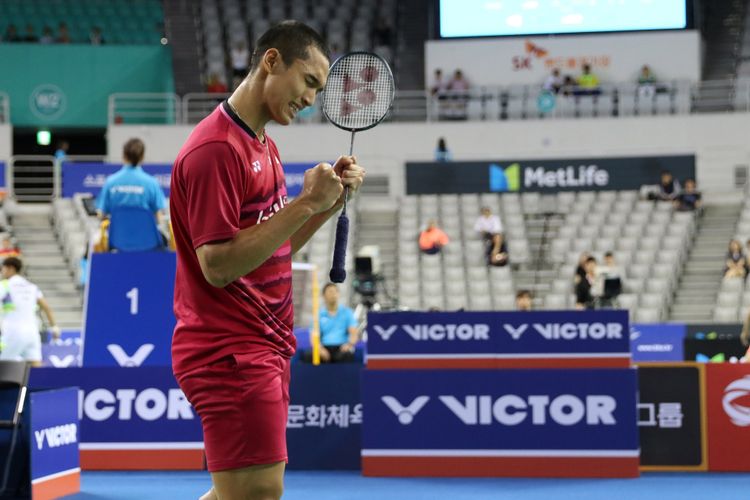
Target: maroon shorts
243, 402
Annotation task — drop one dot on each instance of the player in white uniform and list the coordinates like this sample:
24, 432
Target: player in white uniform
19, 330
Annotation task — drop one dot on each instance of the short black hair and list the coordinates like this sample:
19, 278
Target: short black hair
591, 259
329, 285
133, 151
13, 262
609, 254
523, 293
292, 39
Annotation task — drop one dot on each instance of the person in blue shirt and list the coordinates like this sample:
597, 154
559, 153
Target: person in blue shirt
338, 329
131, 186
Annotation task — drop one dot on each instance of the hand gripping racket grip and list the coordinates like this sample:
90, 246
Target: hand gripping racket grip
338, 268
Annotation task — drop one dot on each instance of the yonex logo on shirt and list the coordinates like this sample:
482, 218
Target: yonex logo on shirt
256, 166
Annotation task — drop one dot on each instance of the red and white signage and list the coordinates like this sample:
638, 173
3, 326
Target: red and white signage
728, 401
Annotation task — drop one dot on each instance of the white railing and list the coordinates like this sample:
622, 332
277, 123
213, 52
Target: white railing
145, 108
482, 103
4, 108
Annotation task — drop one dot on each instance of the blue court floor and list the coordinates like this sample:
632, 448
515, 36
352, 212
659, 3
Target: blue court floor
352, 486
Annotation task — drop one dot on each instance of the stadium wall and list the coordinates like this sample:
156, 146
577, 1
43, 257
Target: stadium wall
528, 60
718, 140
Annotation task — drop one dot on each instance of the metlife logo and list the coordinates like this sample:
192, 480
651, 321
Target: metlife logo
583, 176
512, 409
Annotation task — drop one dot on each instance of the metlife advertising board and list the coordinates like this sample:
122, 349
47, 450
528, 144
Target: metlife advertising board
545, 339
550, 423
549, 175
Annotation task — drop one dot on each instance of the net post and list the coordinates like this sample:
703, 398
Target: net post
315, 330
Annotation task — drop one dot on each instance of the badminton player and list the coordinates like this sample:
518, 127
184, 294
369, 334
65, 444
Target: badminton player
235, 233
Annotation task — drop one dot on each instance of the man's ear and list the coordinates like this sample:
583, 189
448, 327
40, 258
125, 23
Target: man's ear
272, 60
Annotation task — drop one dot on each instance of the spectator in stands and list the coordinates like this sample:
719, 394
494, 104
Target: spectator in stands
63, 35
442, 153
383, 33
669, 188
554, 82
61, 153
608, 281
131, 186
20, 326
240, 57
745, 338
47, 36
584, 285
498, 252
338, 329
432, 239
459, 92
215, 85
688, 200
735, 264
8, 249
524, 300
588, 82
11, 34
30, 35
490, 229
438, 86
569, 86
96, 37
646, 82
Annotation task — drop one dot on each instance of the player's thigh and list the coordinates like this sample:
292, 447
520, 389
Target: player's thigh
32, 350
14, 346
257, 482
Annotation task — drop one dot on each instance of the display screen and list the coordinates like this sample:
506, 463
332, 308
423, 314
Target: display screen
477, 18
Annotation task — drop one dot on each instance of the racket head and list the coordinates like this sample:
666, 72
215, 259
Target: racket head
359, 92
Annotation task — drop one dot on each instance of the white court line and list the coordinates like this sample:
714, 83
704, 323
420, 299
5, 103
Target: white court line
56, 475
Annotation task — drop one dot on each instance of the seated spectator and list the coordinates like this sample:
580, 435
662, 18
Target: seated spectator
96, 37
338, 329
498, 254
554, 82
30, 35
438, 86
8, 249
63, 35
688, 200
215, 85
580, 271
669, 188
11, 34
735, 264
588, 82
490, 229
569, 86
646, 82
131, 186
583, 288
524, 301
47, 36
432, 239
442, 153
608, 281
459, 91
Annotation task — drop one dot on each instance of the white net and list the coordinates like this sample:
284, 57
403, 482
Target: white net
306, 294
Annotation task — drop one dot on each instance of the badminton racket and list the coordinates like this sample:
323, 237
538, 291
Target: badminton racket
357, 96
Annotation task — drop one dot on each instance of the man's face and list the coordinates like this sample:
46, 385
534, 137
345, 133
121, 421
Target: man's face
291, 88
590, 267
609, 260
331, 295
486, 212
523, 303
690, 186
666, 178
6, 271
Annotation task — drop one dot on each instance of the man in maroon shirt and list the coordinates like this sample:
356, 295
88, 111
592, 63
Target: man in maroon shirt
235, 233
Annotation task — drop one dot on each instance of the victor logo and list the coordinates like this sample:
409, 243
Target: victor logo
438, 332
136, 359
738, 414
147, 404
568, 331
60, 435
61, 363
405, 414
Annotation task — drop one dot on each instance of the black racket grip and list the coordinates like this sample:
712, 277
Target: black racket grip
338, 268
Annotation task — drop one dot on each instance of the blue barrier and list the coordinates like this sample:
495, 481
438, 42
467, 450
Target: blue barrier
498, 339
500, 423
129, 318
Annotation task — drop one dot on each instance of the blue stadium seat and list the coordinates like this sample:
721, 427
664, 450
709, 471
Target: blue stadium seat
133, 229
